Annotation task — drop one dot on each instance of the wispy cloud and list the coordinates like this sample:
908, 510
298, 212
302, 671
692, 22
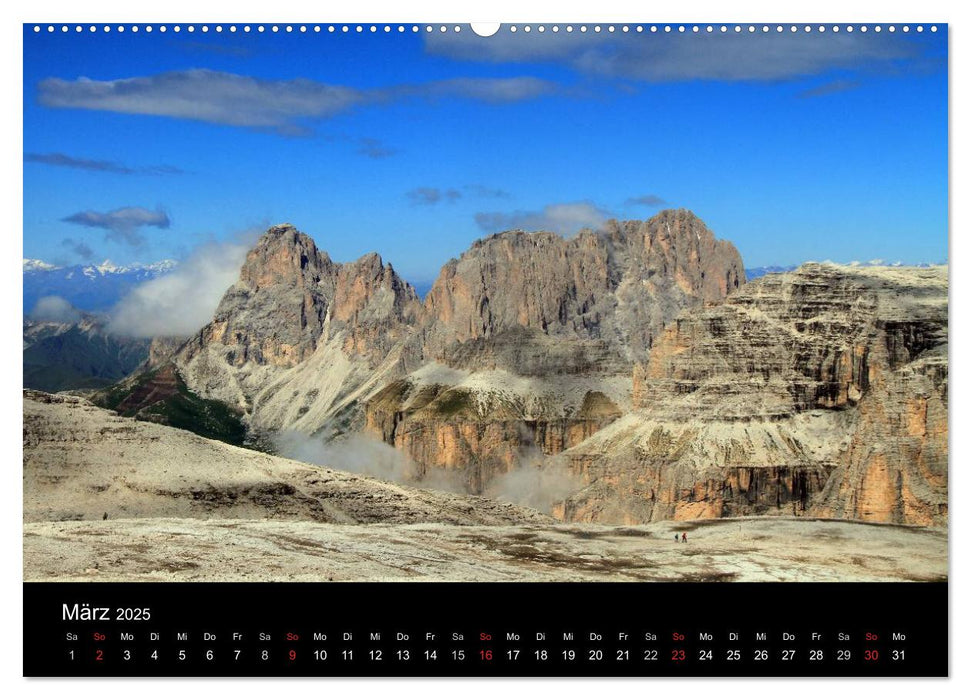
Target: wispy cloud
106, 166
284, 106
486, 192
646, 200
208, 96
673, 57
374, 148
483, 89
428, 196
123, 225
79, 248
830, 88
564, 218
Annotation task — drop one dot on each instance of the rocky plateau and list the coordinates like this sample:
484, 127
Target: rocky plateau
108, 498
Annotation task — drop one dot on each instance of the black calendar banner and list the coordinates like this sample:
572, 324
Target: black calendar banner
488, 629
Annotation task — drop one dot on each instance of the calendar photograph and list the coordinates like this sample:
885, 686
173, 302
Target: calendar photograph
412, 304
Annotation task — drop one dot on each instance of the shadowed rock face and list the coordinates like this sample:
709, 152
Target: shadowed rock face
822, 392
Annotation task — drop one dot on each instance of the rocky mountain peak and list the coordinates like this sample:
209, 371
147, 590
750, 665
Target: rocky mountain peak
531, 303
291, 297
676, 246
620, 284
285, 256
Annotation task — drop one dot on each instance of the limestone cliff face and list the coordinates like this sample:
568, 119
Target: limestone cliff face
818, 392
802, 340
619, 285
275, 312
476, 426
299, 337
895, 469
290, 297
524, 319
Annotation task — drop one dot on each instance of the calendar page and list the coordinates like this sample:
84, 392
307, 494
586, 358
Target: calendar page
537, 349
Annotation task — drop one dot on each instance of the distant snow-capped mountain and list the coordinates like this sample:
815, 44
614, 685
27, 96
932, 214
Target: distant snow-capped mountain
87, 287
105, 268
752, 273
32, 265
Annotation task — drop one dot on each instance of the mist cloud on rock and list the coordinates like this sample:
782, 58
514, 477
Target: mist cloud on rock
360, 454
538, 481
183, 301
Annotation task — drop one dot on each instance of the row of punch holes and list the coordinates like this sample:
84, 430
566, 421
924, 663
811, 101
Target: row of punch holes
414, 28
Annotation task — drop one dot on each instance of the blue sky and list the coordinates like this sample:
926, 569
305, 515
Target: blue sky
793, 146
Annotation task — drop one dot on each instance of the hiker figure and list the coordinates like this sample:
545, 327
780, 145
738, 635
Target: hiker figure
684, 536
104, 517
675, 537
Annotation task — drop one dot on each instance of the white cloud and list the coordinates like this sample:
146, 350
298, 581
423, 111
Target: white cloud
565, 219
483, 89
204, 95
485, 192
122, 224
183, 301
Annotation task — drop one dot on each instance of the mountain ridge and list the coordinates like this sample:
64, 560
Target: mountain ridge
578, 353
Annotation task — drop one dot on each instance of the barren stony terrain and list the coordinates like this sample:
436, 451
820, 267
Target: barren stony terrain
754, 549
85, 463
181, 508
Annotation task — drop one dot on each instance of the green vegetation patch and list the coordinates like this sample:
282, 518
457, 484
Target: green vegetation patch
454, 402
161, 396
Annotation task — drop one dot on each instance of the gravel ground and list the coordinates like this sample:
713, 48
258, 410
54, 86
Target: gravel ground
769, 549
